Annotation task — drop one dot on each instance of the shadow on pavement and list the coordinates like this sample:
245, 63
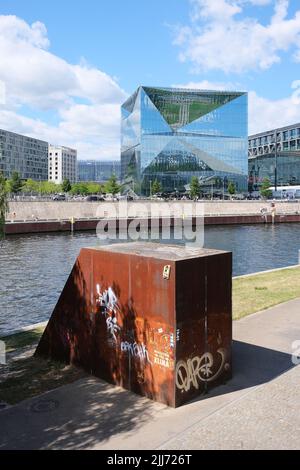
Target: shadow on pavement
89, 411
252, 366
77, 416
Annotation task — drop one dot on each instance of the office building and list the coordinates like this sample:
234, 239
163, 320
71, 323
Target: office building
98, 170
275, 155
62, 164
170, 135
26, 155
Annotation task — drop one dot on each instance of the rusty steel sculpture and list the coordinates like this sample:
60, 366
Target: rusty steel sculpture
155, 319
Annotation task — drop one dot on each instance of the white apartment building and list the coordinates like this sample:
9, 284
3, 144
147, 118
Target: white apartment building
62, 164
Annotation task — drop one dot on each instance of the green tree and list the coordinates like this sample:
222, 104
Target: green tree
49, 187
30, 186
194, 187
112, 186
66, 186
3, 203
231, 188
94, 188
15, 183
265, 190
156, 187
80, 188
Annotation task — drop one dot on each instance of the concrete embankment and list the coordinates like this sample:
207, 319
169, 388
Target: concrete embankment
55, 216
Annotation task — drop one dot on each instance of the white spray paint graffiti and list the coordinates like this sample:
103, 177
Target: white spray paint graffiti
135, 350
198, 369
112, 327
108, 303
107, 300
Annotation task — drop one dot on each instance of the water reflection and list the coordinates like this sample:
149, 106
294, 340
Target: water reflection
34, 268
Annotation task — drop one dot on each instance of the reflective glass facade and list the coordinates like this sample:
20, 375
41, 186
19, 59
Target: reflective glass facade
98, 170
262, 157
263, 166
27, 156
170, 135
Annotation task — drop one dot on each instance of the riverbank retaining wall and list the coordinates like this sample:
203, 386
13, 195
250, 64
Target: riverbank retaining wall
57, 216
60, 210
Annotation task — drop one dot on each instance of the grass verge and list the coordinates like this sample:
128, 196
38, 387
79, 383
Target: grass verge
24, 375
261, 291
22, 339
31, 376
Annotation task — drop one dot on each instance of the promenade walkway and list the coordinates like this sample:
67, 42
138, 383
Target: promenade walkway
257, 409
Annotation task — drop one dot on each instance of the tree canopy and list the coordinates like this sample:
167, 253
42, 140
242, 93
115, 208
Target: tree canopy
195, 187
66, 186
112, 186
156, 187
3, 203
15, 183
265, 190
231, 188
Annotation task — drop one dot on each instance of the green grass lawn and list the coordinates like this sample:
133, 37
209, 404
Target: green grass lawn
254, 293
22, 339
25, 376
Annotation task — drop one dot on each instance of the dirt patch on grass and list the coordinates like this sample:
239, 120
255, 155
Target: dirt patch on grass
25, 376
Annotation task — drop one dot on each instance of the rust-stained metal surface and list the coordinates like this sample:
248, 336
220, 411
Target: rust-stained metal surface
152, 318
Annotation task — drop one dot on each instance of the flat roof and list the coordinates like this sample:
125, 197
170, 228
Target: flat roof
278, 129
26, 136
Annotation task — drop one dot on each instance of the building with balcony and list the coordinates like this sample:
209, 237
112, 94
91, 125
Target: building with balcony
26, 155
275, 155
171, 134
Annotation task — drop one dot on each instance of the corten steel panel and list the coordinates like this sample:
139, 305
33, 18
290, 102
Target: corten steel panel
119, 319
204, 324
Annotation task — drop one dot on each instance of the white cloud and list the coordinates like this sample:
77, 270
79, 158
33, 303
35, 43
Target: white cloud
207, 85
219, 37
265, 114
259, 2
42, 81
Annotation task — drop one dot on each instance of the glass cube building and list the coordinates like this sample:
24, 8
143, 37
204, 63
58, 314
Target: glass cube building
171, 134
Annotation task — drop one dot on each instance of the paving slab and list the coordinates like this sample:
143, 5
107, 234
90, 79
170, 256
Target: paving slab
257, 409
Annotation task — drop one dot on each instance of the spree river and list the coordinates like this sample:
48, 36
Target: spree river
34, 268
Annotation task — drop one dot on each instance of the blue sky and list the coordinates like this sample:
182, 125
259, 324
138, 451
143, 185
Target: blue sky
68, 65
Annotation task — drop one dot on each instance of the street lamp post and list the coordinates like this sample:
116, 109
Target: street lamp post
150, 188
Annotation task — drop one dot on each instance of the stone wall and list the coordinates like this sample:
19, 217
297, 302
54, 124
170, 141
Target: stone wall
60, 210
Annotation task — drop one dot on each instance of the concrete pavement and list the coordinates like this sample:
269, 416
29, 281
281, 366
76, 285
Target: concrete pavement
257, 409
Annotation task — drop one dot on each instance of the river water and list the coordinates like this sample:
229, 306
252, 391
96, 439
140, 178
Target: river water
34, 268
